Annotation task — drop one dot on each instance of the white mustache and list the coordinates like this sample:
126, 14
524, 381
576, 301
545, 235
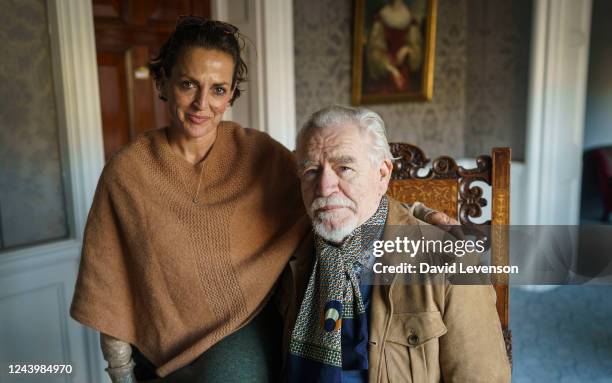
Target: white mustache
323, 202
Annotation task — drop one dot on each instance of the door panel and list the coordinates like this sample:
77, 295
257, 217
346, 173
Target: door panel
34, 325
142, 84
114, 98
107, 8
168, 11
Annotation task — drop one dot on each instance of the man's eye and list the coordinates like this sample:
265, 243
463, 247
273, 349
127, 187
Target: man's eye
345, 169
309, 173
220, 91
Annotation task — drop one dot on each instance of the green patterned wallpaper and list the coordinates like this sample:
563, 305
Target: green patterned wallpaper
32, 202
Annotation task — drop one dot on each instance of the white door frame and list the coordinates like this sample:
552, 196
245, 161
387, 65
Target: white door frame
74, 24
556, 106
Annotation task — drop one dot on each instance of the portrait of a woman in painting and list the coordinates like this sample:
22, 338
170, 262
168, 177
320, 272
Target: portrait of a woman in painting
393, 50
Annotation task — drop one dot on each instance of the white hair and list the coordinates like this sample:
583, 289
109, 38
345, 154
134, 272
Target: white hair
364, 119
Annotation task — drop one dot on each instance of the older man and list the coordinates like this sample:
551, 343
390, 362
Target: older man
337, 327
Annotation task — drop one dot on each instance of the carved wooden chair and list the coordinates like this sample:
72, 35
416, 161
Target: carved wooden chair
448, 187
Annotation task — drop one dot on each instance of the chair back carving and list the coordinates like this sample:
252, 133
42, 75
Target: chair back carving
445, 186
449, 188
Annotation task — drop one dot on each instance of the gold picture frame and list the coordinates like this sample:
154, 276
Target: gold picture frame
393, 51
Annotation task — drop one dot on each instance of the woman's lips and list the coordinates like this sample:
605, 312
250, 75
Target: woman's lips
198, 120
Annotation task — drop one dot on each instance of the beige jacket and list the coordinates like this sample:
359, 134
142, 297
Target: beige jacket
418, 333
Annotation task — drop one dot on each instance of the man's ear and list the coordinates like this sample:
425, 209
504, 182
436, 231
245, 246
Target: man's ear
386, 168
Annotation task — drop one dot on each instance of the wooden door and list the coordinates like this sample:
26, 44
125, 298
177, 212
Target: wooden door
128, 33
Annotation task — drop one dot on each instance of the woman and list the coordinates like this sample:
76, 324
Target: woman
394, 50
190, 227
191, 224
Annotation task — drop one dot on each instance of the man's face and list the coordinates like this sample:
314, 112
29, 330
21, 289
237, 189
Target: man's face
341, 186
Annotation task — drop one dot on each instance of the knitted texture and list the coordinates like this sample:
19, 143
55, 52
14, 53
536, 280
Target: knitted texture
172, 276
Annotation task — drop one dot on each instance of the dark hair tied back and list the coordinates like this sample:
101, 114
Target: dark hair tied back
193, 31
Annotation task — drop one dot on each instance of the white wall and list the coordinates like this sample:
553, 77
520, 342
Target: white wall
556, 110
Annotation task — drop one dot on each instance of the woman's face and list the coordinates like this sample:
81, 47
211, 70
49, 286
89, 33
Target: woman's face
199, 90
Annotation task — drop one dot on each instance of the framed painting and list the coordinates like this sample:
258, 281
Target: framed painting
393, 51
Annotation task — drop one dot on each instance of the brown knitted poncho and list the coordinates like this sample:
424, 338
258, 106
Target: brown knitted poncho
174, 277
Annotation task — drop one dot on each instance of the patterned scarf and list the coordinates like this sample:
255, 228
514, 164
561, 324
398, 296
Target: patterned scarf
332, 297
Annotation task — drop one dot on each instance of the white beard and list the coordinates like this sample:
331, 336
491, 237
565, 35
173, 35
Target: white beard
321, 222
336, 235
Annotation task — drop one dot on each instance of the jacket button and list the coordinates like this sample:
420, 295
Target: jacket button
413, 339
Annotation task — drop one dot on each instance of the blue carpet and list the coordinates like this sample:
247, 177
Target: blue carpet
563, 335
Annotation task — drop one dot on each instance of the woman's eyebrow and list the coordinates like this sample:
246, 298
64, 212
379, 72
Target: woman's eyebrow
185, 75
222, 83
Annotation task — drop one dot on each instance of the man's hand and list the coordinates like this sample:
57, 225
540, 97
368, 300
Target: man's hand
445, 223
440, 219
